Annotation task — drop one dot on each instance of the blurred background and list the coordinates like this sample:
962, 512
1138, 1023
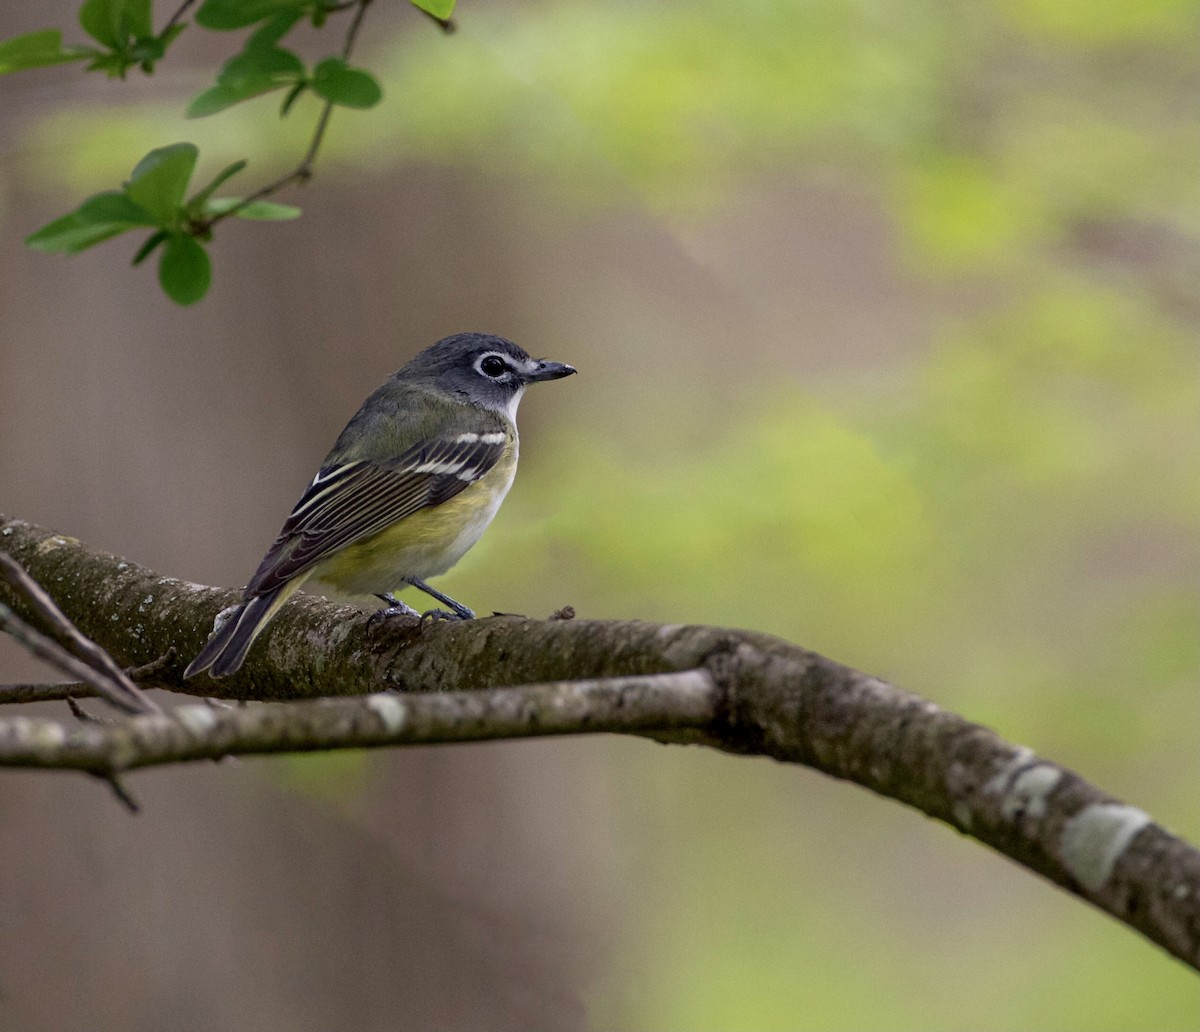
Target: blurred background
885, 317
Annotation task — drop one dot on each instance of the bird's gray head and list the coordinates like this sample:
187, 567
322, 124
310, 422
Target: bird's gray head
482, 369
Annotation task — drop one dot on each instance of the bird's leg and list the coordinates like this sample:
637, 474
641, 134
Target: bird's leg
394, 608
459, 611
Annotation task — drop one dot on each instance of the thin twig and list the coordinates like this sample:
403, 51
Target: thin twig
144, 676
303, 171
72, 639
24, 692
84, 717
124, 796
53, 653
146, 671
352, 32
174, 19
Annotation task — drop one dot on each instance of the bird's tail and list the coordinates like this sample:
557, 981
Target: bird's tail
224, 653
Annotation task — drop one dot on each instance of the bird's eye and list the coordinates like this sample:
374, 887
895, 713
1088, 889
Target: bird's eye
493, 366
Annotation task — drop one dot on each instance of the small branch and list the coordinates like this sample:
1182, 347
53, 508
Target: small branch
143, 676
124, 797
661, 704
106, 676
352, 31
303, 171
175, 18
82, 715
21, 693
53, 653
147, 671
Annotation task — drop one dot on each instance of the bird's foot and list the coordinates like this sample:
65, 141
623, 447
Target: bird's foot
394, 608
438, 615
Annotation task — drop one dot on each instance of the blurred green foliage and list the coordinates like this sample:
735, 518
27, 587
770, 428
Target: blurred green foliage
1007, 521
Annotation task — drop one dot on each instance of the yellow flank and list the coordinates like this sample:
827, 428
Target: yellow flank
424, 544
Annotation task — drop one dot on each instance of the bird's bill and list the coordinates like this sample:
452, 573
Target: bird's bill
549, 371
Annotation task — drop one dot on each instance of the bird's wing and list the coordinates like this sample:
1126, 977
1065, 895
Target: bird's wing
352, 500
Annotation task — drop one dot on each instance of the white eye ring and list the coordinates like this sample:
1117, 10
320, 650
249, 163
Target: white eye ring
493, 357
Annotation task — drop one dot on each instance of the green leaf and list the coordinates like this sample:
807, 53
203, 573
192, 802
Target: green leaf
115, 206
440, 9
114, 65
170, 35
248, 74
237, 14
139, 21
218, 98
259, 211
101, 19
184, 270
334, 80
160, 180
147, 51
100, 217
148, 247
267, 36
292, 96
68, 236
200, 199
37, 50
272, 65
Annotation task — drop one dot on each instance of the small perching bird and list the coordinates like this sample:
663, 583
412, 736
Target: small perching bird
410, 485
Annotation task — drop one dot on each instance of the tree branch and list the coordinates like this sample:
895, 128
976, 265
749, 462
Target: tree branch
143, 676
737, 691
72, 652
16, 694
660, 704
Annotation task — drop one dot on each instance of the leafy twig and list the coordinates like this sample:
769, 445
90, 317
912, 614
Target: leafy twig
303, 171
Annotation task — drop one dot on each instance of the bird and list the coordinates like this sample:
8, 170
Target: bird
409, 486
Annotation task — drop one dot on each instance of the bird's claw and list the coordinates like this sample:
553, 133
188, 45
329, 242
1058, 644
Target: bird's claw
390, 612
438, 615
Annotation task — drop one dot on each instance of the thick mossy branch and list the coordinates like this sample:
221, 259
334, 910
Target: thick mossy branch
734, 690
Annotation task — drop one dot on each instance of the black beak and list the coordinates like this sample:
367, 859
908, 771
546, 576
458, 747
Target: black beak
549, 371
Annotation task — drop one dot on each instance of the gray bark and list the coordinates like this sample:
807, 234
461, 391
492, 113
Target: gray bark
736, 691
